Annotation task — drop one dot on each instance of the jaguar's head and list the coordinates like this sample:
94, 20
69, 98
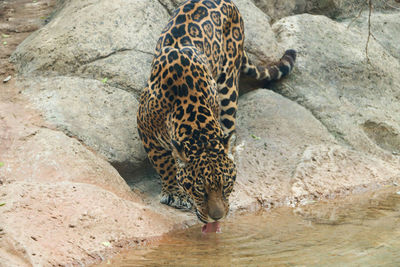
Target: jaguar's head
206, 172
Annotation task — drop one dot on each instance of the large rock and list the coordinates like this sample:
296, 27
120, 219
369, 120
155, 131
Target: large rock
330, 171
276, 9
101, 116
385, 28
61, 204
286, 155
335, 9
260, 41
45, 155
96, 39
67, 223
273, 133
32, 152
357, 101
171, 5
345, 138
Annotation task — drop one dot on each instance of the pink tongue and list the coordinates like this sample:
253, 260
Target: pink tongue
213, 227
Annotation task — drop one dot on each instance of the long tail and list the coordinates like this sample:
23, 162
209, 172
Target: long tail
272, 72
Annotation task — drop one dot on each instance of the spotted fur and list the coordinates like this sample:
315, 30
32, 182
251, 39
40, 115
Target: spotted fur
186, 117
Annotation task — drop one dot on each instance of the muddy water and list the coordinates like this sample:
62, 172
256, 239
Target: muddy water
361, 230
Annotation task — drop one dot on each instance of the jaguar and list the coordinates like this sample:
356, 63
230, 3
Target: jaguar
187, 111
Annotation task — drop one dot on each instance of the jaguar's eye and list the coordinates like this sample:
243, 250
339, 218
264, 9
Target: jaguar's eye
226, 194
227, 184
226, 189
200, 188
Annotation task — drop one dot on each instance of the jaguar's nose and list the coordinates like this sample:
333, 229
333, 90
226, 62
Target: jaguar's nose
216, 209
216, 213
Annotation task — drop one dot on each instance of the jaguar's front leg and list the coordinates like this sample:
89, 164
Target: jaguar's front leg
171, 193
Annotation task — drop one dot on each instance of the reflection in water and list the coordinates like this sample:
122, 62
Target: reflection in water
357, 231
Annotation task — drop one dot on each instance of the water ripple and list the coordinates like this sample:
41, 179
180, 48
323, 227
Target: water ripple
358, 231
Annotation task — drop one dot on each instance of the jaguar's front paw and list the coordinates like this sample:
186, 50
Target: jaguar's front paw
176, 201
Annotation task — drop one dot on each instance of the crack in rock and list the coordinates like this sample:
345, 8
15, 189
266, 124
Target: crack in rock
165, 7
106, 56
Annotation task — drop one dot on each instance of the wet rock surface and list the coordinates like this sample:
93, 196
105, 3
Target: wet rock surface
74, 182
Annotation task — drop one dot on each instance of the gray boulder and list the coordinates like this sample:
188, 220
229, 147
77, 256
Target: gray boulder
335, 9
285, 155
276, 9
260, 41
171, 5
357, 101
385, 28
87, 42
101, 116
346, 135
273, 133
96, 39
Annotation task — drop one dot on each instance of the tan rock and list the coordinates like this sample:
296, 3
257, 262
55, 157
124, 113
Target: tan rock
59, 223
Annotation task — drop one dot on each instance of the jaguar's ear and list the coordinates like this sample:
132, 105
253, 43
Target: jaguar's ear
229, 142
179, 153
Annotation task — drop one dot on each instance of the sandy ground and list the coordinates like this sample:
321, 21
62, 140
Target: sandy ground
18, 19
